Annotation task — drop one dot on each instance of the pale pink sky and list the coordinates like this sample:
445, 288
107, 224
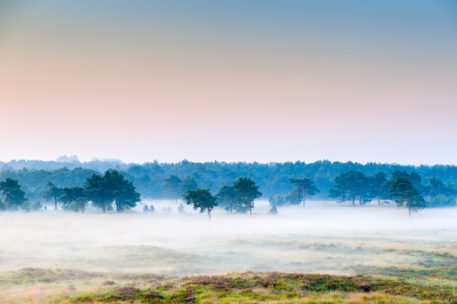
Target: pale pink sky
168, 83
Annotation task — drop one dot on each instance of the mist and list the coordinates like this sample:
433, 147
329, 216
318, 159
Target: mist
323, 237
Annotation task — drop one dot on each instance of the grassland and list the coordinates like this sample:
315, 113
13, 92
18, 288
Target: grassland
422, 276
64, 286
336, 256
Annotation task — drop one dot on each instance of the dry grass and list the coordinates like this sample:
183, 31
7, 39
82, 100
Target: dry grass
64, 286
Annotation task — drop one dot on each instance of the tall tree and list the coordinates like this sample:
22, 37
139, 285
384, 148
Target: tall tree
173, 186
351, 185
54, 193
14, 196
109, 188
123, 191
247, 191
201, 199
98, 191
74, 195
226, 197
379, 187
404, 193
305, 187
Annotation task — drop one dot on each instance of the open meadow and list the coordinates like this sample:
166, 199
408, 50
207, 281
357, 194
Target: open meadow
324, 253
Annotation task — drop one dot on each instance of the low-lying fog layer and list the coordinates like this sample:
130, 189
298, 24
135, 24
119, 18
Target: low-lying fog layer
323, 237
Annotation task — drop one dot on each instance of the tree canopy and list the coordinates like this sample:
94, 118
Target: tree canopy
304, 187
109, 188
227, 197
14, 196
201, 199
247, 191
404, 193
53, 193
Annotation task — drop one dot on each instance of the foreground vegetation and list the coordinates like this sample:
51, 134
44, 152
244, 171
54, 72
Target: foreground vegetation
65, 286
150, 178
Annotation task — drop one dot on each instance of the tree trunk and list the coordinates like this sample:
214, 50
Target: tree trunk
231, 206
104, 208
304, 197
209, 215
55, 203
250, 209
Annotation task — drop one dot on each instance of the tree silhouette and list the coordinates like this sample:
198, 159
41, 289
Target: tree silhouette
14, 196
247, 191
305, 187
201, 199
226, 197
404, 193
53, 193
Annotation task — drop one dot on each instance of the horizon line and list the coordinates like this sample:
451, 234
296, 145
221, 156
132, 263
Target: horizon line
115, 160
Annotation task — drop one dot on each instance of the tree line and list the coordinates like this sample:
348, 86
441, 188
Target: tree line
113, 190
106, 192
150, 178
406, 189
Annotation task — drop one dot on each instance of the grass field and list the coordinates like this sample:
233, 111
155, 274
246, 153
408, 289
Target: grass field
331, 256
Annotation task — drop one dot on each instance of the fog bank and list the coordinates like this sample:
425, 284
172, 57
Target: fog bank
322, 237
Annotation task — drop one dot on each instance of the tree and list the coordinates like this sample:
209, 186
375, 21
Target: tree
305, 187
53, 193
379, 186
74, 198
439, 194
351, 185
404, 193
123, 191
226, 197
173, 186
247, 191
99, 192
413, 177
14, 196
201, 199
112, 187
273, 210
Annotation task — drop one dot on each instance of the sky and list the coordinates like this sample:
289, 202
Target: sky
239, 80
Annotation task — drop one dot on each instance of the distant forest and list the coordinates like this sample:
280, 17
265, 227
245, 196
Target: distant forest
150, 178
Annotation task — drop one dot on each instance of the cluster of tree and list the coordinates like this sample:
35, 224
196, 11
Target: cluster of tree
354, 185
239, 197
402, 187
101, 190
303, 188
176, 187
172, 180
150, 179
406, 189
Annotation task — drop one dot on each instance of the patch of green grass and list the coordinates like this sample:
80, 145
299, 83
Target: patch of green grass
274, 287
38, 275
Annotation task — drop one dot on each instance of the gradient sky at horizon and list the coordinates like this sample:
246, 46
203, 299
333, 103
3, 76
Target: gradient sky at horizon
254, 80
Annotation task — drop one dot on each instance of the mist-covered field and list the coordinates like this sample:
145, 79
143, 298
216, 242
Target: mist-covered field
321, 238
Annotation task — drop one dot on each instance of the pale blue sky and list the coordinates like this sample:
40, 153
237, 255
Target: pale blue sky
229, 80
